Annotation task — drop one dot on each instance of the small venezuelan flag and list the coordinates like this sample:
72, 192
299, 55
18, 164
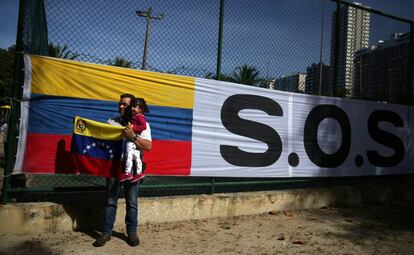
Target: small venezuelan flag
97, 147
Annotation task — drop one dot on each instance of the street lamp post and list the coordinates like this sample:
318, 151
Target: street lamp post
147, 15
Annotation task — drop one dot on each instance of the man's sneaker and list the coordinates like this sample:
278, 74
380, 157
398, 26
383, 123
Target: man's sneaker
125, 177
105, 237
137, 177
133, 239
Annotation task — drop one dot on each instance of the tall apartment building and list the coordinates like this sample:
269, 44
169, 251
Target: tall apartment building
315, 79
269, 84
292, 83
381, 72
353, 36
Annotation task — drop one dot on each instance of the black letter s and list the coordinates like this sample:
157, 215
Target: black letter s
231, 120
385, 138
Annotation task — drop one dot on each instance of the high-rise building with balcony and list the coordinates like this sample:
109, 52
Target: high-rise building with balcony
353, 36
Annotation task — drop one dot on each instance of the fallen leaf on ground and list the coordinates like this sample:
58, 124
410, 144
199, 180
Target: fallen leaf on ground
225, 226
298, 242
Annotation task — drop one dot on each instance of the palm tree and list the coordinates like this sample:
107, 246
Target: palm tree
58, 51
119, 61
223, 77
246, 74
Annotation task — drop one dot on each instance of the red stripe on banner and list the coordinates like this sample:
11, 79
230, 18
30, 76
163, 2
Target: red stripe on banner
48, 154
51, 154
169, 158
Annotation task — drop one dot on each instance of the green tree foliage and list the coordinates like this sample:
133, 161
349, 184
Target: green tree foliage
246, 74
119, 61
6, 70
59, 51
223, 77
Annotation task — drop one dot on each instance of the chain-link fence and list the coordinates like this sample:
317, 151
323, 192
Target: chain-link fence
319, 47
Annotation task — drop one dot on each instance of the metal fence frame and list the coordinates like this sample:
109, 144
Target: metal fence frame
206, 185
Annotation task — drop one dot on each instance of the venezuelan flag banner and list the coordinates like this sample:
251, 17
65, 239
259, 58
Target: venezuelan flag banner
203, 127
97, 147
57, 90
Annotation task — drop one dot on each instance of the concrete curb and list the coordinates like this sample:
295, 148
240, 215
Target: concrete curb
33, 218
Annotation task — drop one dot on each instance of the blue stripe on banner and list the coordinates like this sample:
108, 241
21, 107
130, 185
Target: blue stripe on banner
96, 148
54, 115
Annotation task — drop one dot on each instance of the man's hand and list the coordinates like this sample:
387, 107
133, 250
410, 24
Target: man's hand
128, 132
143, 144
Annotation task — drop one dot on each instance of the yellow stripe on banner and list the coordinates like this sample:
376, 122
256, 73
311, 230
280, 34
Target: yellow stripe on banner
59, 77
87, 127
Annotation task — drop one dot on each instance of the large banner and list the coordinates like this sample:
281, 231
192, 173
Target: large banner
203, 127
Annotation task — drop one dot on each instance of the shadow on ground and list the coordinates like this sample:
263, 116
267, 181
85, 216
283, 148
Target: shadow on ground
28, 247
369, 225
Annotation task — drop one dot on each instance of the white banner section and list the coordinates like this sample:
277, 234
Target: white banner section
244, 131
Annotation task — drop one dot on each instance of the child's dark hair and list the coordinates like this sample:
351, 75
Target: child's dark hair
140, 102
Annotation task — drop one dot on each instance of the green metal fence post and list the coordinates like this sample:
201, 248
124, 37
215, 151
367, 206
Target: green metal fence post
213, 185
11, 134
337, 42
220, 40
321, 49
410, 65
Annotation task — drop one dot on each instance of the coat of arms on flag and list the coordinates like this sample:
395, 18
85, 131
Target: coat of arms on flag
97, 147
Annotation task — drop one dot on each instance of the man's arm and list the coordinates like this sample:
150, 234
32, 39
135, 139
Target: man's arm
143, 144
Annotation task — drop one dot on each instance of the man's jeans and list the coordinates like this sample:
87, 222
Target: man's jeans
131, 196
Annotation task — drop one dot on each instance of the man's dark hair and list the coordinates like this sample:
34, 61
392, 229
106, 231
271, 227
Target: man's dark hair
140, 102
127, 116
132, 97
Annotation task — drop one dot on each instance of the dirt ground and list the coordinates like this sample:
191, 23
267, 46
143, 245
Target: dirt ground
363, 230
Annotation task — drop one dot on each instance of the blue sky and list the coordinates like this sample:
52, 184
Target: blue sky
8, 22
283, 36
9, 11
